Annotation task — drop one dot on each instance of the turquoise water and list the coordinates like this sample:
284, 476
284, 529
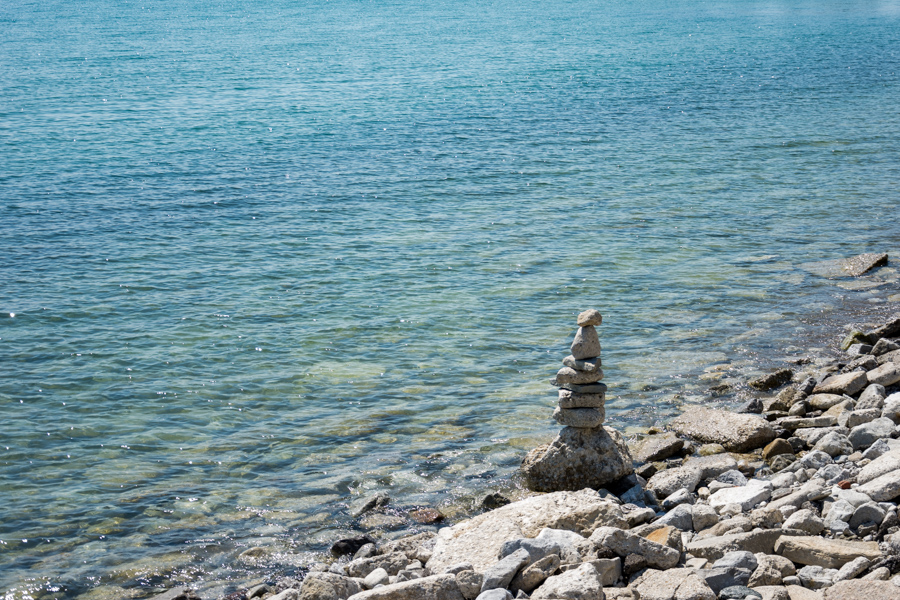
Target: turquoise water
262, 258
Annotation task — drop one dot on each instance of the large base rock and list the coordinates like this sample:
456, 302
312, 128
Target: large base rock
578, 459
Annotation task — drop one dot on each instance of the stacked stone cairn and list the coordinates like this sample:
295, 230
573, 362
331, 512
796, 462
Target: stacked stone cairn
585, 453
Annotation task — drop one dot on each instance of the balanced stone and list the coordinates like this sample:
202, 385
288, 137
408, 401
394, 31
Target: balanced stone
568, 399
578, 459
586, 343
585, 418
590, 388
589, 317
588, 364
569, 375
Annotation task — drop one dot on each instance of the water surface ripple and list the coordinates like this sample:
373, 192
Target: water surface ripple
262, 258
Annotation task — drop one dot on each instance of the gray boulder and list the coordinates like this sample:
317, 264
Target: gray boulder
736, 432
583, 583
502, 573
578, 459
624, 543
436, 587
586, 343
863, 436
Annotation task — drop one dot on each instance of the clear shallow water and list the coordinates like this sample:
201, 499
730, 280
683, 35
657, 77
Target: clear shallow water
264, 258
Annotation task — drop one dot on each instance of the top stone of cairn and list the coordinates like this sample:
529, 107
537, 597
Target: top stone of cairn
589, 317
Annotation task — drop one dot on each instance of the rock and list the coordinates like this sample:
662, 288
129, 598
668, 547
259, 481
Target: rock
718, 578
846, 267
578, 459
891, 329
739, 559
493, 500
426, 516
880, 466
665, 483
703, 516
792, 423
863, 436
884, 488
495, 594
822, 552
666, 536
732, 477
392, 563
328, 586
377, 577
834, 444
681, 517
478, 540
620, 594
589, 364
569, 399
852, 418
624, 543
674, 584
350, 545
748, 496
288, 594
891, 409
815, 577
469, 583
177, 593
739, 592
879, 574
753, 406
887, 374
776, 447
872, 397
806, 521
716, 547
589, 317
771, 381
845, 383
682, 496
862, 590
409, 545
865, 514
537, 548
583, 418
610, 570
633, 563
656, 447
534, 574
501, 574
737, 433
772, 592
586, 343
364, 505
366, 551
711, 466
590, 388
883, 346
566, 540
876, 450
771, 570
853, 569
570, 375
582, 583
824, 401
857, 349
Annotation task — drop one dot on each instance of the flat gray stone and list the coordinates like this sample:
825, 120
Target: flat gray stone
588, 364
824, 552
582, 418
501, 574
887, 374
843, 383
863, 436
715, 548
656, 447
673, 584
535, 574
667, 482
882, 489
736, 432
570, 375
569, 399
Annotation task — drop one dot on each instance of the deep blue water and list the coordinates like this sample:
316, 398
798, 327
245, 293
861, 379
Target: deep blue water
261, 258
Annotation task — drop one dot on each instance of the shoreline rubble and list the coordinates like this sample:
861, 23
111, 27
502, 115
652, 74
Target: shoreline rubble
793, 499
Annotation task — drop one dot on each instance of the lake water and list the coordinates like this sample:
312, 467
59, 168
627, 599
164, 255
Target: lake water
260, 259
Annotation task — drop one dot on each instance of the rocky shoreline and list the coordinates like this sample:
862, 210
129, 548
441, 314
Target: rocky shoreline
791, 497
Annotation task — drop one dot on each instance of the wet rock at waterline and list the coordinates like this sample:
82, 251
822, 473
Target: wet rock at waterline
578, 459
